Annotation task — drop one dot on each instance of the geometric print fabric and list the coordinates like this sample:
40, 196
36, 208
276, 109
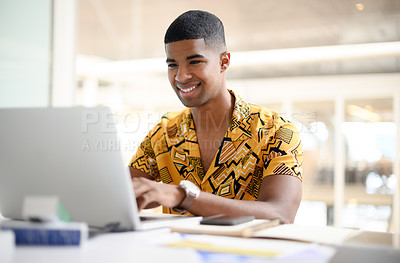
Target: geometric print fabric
257, 144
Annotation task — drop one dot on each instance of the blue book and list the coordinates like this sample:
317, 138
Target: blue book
47, 233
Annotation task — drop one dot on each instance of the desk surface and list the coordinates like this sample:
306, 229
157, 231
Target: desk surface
149, 246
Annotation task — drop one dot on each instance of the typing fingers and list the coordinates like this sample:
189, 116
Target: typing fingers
145, 193
141, 186
145, 201
150, 193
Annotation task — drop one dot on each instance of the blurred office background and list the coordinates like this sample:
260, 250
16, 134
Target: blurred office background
332, 67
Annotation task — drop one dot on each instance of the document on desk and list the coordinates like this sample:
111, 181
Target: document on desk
249, 247
326, 235
241, 230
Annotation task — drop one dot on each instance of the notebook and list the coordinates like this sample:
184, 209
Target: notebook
72, 153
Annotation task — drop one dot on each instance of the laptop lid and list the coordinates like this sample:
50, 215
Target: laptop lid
72, 153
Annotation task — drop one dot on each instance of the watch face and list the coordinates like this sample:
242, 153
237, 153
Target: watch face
191, 187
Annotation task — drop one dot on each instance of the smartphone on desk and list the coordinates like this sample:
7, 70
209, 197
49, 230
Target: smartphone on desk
225, 220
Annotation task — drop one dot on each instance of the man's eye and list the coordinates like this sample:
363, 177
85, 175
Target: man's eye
171, 65
195, 62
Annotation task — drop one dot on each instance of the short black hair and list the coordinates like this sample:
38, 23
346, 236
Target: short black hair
197, 24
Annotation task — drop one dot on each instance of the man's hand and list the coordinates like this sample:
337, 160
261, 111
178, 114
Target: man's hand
150, 194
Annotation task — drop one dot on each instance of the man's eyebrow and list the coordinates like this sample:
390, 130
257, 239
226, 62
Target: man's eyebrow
170, 60
194, 56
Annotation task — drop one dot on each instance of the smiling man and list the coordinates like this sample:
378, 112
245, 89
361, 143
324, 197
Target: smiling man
220, 155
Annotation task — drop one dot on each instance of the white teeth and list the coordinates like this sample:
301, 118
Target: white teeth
187, 89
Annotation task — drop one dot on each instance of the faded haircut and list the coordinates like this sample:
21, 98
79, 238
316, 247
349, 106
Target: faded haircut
197, 24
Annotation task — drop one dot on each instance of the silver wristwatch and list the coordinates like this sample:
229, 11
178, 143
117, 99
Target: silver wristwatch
192, 192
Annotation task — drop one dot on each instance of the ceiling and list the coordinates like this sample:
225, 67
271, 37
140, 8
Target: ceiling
134, 29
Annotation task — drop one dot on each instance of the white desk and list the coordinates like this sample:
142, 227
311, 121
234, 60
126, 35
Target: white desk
116, 247
149, 246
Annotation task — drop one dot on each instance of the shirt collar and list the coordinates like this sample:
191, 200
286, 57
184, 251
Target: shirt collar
238, 128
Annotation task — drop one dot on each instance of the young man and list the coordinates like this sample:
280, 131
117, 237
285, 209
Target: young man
220, 155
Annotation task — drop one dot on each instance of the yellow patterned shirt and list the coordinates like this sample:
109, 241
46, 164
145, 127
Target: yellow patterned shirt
258, 143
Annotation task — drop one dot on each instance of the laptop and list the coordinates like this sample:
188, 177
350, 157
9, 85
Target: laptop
71, 153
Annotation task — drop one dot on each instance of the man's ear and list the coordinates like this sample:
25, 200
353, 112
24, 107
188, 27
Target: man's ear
225, 60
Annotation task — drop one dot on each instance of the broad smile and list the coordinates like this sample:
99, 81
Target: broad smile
187, 90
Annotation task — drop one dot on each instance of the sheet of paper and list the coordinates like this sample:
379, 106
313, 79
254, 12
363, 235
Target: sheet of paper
240, 246
324, 235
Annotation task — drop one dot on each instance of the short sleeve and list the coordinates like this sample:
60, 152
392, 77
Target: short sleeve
284, 152
144, 159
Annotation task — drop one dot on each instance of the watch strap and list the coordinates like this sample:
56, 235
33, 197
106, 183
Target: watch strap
187, 201
190, 196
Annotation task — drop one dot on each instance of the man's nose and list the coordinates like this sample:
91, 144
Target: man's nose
183, 74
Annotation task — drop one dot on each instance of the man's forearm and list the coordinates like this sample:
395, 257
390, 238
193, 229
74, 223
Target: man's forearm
279, 197
208, 204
